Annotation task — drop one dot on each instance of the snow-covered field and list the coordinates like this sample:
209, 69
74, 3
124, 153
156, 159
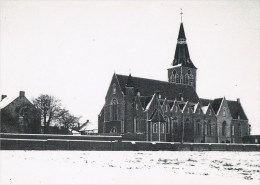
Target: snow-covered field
122, 167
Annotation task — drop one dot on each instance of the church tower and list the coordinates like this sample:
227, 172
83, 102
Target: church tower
183, 70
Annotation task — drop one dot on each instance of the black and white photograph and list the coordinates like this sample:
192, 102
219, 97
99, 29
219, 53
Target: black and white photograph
130, 92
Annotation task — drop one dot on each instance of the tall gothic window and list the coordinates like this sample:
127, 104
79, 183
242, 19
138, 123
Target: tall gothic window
135, 128
177, 78
162, 128
174, 125
233, 130
167, 124
114, 109
155, 128
198, 127
239, 129
191, 79
114, 88
173, 77
186, 79
224, 126
205, 128
209, 128
224, 111
181, 79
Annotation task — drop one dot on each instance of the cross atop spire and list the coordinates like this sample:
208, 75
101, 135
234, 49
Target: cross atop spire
181, 14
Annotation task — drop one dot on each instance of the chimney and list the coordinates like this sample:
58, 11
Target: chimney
238, 100
22, 94
3, 97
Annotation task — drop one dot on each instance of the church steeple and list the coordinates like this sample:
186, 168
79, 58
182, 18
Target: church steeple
183, 71
182, 55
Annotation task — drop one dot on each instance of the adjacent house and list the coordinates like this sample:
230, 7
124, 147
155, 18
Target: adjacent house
19, 115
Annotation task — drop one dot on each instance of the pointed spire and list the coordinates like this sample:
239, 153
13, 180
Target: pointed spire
182, 55
181, 35
129, 82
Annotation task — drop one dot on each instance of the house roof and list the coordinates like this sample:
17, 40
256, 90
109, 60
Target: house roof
236, 110
171, 91
87, 126
6, 101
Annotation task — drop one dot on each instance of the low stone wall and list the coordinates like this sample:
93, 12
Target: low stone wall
55, 136
61, 144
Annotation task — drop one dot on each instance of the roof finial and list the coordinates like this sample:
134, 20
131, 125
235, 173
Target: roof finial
181, 14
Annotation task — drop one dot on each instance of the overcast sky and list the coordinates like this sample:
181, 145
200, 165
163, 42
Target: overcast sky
70, 49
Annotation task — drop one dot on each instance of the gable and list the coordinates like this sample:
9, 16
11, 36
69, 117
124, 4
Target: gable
171, 91
157, 116
216, 103
114, 85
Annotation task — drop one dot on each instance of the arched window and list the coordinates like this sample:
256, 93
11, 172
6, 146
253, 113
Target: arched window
168, 127
114, 88
239, 129
186, 79
209, 128
114, 109
205, 128
181, 79
162, 128
224, 111
174, 125
232, 130
173, 76
198, 127
135, 125
191, 79
155, 128
224, 125
177, 78
167, 124
113, 130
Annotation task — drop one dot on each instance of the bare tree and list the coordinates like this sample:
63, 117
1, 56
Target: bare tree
50, 108
68, 120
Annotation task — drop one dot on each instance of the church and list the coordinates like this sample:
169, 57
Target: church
143, 109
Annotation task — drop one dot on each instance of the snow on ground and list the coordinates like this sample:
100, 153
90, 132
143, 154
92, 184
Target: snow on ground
129, 167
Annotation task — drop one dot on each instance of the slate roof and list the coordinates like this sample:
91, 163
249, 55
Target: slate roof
205, 102
236, 109
216, 104
181, 33
171, 91
182, 55
145, 100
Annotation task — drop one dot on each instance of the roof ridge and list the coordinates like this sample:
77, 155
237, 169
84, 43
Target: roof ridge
158, 81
